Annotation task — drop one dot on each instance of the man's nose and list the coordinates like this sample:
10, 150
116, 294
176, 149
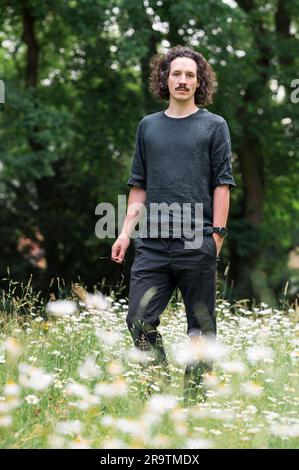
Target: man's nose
183, 81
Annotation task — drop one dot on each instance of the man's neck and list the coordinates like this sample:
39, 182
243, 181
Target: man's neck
179, 111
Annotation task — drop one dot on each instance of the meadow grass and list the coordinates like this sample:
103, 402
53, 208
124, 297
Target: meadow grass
74, 381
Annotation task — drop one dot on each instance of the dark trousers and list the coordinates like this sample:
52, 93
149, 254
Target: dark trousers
161, 265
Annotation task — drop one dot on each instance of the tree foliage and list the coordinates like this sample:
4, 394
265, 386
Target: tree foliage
76, 76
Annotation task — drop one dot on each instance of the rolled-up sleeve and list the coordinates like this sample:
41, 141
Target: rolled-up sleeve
138, 167
221, 165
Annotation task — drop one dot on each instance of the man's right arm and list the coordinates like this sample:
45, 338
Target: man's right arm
136, 204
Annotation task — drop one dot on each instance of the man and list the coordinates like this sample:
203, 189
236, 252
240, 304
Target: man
183, 155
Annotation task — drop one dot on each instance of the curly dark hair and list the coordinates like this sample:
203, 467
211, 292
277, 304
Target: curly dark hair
160, 68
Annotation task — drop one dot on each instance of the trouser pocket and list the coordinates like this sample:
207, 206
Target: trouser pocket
213, 245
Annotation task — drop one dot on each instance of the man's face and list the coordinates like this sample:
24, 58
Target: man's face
182, 76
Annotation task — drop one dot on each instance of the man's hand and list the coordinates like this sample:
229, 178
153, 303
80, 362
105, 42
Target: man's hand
218, 241
119, 248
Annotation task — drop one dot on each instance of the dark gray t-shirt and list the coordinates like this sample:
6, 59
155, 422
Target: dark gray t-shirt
181, 160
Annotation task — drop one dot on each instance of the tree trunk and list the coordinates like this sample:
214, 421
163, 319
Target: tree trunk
43, 185
32, 48
243, 273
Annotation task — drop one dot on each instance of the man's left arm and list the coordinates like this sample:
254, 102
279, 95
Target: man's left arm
222, 178
221, 198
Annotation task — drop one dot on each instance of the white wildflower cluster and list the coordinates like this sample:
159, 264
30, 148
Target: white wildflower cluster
99, 379
32, 399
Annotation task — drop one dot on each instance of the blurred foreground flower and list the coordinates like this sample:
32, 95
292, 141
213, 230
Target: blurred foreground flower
198, 443
5, 421
285, 430
95, 301
234, 367
81, 391
129, 426
79, 443
201, 348
114, 368
89, 369
34, 377
72, 427
260, 353
252, 389
114, 443
76, 389
109, 338
61, 308
211, 380
12, 347
11, 389
161, 404
9, 404
136, 355
114, 389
